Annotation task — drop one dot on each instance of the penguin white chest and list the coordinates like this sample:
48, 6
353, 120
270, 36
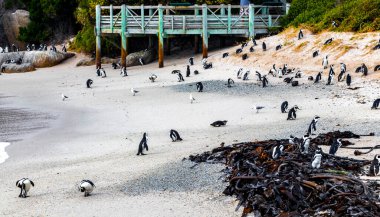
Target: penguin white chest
88, 188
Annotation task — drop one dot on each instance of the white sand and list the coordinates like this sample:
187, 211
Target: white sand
3, 153
96, 131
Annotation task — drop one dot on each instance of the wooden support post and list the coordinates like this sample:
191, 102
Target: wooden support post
196, 37
251, 21
111, 18
98, 58
269, 20
150, 36
142, 19
204, 32
160, 37
229, 19
123, 36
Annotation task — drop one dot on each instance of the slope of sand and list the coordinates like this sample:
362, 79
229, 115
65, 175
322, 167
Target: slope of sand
95, 133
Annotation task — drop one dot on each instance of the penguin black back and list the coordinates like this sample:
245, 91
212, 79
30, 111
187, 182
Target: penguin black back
219, 123
89, 83
199, 86
284, 106
348, 79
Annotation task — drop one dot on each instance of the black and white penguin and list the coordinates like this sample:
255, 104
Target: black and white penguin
318, 77
376, 104
244, 57
98, 72
64, 97
133, 91
334, 24
300, 34
259, 77
225, 55
305, 144
188, 71
277, 151
264, 81
251, 49
14, 48
143, 144
313, 126
374, 169
153, 78
335, 146
103, 73
342, 72
33, 47
377, 68
199, 86
292, 113
174, 135
278, 47
115, 65
273, 70
239, 73
124, 71
180, 77
348, 79
86, 186
191, 61
141, 61
328, 41
239, 50
24, 184
377, 47
219, 123
230, 82
27, 48
245, 76
207, 65
331, 76
244, 44
254, 41
315, 53
89, 83
343, 67
288, 80
284, 106
364, 69
264, 46
317, 159
325, 62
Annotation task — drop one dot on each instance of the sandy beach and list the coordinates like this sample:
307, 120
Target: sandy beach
94, 134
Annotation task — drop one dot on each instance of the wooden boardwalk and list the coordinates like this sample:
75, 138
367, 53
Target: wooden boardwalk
199, 20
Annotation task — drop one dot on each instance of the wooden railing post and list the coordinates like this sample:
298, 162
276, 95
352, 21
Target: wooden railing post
150, 36
111, 17
123, 35
229, 18
251, 20
204, 32
142, 19
269, 20
98, 57
196, 37
160, 36
222, 10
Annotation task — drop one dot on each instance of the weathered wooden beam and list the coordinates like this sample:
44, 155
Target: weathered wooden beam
160, 37
98, 57
204, 32
123, 36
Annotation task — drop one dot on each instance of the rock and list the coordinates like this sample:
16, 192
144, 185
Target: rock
88, 61
148, 56
12, 22
41, 59
14, 68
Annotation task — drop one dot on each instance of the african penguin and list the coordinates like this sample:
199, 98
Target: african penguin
230, 82
313, 126
335, 146
292, 113
244, 57
328, 41
153, 78
376, 104
89, 83
325, 62
315, 53
239, 50
284, 106
245, 76
180, 77
24, 184
225, 55
143, 144
264, 81
364, 69
318, 77
191, 61
278, 47
219, 123
188, 71
251, 49
124, 71
300, 34
305, 144
174, 135
264, 46
334, 24
348, 79
86, 186
238, 74
259, 78
374, 169
377, 68
277, 151
141, 61
254, 41
317, 159
199, 86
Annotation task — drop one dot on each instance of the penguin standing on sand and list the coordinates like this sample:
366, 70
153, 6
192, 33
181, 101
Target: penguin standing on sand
315, 53
305, 144
374, 169
376, 104
317, 159
300, 34
98, 72
259, 78
230, 82
364, 69
331, 75
245, 76
254, 41
191, 61
103, 73
335, 146
225, 55
188, 71
86, 186
143, 144
89, 83
174, 135
264, 46
199, 86
318, 77
180, 77
277, 151
124, 71
265, 81
292, 113
348, 79
238, 74
24, 184
284, 107
325, 62
313, 126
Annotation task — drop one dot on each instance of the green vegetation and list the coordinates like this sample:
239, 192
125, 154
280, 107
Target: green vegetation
351, 15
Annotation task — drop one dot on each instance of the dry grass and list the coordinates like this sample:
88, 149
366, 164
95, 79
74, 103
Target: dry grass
301, 46
334, 44
344, 50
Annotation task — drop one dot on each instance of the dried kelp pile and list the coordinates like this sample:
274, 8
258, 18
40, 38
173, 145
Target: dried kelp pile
289, 186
